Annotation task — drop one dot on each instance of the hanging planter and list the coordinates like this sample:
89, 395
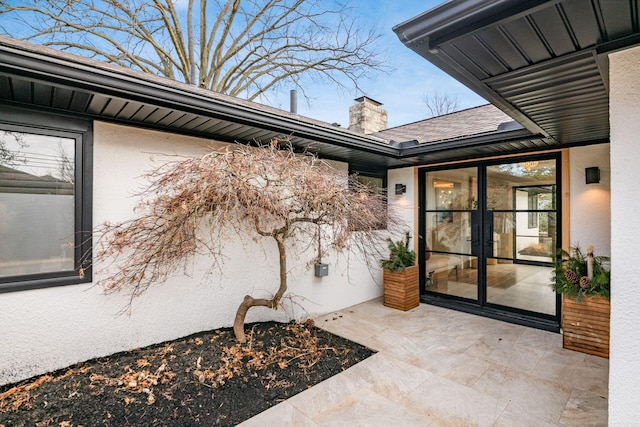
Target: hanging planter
400, 276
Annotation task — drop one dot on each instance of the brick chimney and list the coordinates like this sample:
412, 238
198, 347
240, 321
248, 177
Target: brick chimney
366, 116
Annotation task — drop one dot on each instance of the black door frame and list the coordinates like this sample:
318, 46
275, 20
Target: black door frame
480, 307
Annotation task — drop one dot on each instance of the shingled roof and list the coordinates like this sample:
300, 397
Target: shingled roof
472, 121
16, 181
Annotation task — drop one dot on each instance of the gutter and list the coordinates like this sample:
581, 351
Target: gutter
94, 76
50, 66
455, 18
477, 141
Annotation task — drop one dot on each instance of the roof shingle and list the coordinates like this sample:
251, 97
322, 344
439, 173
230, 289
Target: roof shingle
472, 121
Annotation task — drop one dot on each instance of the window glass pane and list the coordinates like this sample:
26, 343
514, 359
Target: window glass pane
450, 234
36, 203
503, 234
371, 181
452, 189
502, 178
538, 244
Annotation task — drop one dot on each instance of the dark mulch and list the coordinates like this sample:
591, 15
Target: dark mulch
204, 379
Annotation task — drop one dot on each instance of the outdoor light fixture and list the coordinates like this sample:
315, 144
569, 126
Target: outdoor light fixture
592, 175
400, 189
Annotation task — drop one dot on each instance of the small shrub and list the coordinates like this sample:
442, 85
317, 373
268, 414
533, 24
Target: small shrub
400, 256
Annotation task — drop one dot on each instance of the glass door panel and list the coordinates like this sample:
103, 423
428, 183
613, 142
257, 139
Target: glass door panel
451, 263
521, 214
503, 235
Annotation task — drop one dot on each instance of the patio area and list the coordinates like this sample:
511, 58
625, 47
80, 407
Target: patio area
439, 367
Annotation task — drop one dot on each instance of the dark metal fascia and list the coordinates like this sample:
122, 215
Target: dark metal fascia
618, 44
74, 75
454, 19
439, 18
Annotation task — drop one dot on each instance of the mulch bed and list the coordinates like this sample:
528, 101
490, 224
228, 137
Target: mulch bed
205, 379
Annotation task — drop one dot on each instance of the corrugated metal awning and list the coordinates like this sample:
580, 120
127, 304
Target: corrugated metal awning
543, 62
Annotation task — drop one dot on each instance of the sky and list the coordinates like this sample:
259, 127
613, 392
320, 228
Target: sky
402, 90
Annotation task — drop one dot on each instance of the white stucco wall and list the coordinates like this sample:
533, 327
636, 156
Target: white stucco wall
48, 329
624, 362
404, 206
590, 208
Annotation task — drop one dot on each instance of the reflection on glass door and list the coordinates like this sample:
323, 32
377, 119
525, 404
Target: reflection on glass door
520, 229
451, 207
489, 234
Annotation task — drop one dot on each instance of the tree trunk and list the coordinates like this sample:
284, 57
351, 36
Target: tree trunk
249, 301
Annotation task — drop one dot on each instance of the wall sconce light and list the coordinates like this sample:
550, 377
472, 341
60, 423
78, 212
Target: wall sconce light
592, 175
400, 189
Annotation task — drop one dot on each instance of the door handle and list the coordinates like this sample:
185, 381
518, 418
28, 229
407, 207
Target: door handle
490, 235
475, 235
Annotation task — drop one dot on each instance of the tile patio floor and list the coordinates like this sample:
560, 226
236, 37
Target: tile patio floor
439, 367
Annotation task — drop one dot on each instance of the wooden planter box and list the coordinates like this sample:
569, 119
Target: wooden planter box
585, 325
401, 288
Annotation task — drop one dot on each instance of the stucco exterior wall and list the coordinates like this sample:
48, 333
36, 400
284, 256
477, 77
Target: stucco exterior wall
624, 362
405, 205
48, 329
590, 208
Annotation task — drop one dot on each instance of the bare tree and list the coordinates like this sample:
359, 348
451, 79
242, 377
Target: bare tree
66, 169
438, 103
11, 144
241, 47
256, 192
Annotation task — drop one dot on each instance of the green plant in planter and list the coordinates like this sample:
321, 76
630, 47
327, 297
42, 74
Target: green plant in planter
400, 256
571, 277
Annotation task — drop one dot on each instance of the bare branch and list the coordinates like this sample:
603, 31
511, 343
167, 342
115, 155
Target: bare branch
438, 103
255, 192
245, 47
11, 145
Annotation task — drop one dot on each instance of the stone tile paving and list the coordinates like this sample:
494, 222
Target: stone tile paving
439, 367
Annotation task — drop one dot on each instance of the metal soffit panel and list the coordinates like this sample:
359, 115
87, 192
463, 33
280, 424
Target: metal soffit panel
100, 106
542, 62
25, 92
58, 84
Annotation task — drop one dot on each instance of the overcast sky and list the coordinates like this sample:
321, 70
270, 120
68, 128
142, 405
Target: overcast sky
402, 90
